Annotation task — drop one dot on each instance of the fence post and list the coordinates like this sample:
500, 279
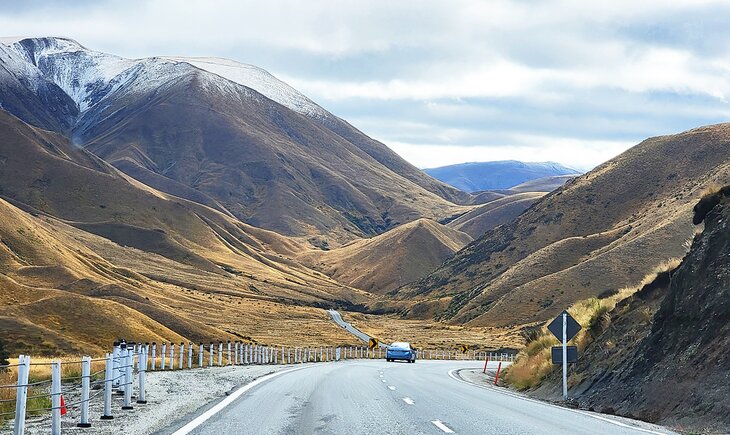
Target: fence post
235, 355
127, 359
143, 376
220, 354
163, 355
85, 384
200, 355
172, 356
190, 354
210, 355
117, 362
182, 355
55, 397
154, 356
108, 379
21, 394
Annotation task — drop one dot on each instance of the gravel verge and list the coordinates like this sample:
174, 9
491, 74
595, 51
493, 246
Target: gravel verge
170, 396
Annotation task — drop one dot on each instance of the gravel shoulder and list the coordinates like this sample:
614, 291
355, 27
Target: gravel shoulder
171, 395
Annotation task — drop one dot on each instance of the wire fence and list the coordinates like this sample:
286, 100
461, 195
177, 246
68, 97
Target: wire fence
64, 388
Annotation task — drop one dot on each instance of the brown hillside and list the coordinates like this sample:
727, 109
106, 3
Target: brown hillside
264, 163
87, 230
387, 261
662, 354
498, 212
590, 237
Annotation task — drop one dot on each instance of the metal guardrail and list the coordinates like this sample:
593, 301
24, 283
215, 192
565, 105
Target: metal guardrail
128, 361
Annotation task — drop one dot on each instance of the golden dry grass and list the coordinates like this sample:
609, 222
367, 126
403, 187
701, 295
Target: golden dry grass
533, 363
426, 334
600, 232
389, 260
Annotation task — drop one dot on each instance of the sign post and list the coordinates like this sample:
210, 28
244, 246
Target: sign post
564, 328
372, 343
565, 355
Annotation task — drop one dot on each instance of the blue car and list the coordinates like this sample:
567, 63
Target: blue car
402, 351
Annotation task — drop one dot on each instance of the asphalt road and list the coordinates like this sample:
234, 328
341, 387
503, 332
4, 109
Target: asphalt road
376, 397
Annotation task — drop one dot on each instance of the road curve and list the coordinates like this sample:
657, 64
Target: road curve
337, 318
374, 397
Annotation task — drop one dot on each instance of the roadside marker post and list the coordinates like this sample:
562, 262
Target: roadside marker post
154, 356
496, 377
21, 395
85, 389
56, 397
486, 361
182, 353
143, 376
108, 380
164, 351
190, 355
229, 352
220, 354
172, 356
127, 377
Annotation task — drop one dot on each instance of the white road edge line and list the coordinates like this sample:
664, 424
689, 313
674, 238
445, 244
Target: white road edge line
202, 418
587, 414
442, 426
409, 401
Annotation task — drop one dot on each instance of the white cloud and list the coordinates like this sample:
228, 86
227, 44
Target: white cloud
587, 72
581, 155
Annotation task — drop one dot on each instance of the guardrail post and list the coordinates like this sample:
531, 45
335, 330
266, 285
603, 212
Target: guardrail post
235, 355
200, 355
108, 380
116, 353
143, 376
229, 352
220, 354
181, 363
153, 362
21, 394
85, 387
210, 355
163, 354
190, 354
172, 356
55, 397
127, 359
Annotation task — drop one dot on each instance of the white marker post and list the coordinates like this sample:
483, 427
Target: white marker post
565, 356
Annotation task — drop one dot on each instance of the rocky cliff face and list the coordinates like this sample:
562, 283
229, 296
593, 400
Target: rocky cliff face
674, 368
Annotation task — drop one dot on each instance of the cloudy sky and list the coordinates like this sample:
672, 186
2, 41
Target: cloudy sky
443, 82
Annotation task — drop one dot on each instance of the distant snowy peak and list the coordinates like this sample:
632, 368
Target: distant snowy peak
259, 80
89, 76
85, 75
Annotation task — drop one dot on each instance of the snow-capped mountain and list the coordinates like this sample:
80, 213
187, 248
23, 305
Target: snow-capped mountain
259, 80
224, 134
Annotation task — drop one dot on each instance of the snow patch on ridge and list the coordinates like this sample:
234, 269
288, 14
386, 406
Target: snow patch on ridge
259, 80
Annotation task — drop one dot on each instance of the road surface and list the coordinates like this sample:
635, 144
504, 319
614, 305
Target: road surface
337, 318
376, 397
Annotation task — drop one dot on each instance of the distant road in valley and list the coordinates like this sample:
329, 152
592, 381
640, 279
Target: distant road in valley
373, 397
337, 318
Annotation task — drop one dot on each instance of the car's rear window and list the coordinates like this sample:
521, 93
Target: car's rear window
401, 345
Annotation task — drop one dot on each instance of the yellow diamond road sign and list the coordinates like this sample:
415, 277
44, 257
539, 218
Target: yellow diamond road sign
373, 343
464, 348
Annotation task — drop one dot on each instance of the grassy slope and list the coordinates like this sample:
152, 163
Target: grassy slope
494, 213
590, 237
267, 165
389, 260
164, 258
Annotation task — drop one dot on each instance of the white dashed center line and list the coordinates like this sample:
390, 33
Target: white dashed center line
409, 401
442, 426
383, 380
392, 388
